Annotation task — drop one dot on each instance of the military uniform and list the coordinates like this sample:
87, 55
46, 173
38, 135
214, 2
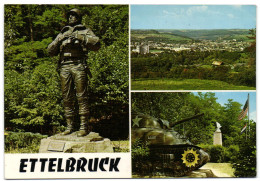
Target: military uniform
73, 43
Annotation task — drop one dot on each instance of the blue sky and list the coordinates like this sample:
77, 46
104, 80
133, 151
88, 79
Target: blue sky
193, 16
241, 97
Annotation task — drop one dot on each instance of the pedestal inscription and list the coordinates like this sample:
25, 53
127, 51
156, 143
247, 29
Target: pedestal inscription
56, 146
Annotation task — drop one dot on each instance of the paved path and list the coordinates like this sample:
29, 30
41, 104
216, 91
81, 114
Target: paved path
220, 169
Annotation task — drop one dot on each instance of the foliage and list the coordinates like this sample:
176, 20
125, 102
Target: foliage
32, 99
231, 153
239, 67
110, 22
220, 154
32, 87
177, 106
245, 162
109, 83
180, 105
139, 149
216, 153
140, 154
22, 142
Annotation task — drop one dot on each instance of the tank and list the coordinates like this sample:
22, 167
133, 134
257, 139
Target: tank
170, 153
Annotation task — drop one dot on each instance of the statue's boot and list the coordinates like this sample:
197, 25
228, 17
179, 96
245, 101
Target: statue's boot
83, 131
69, 129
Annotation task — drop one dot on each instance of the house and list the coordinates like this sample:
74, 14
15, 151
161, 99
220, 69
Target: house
217, 63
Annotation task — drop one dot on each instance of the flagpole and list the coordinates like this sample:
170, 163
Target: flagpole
247, 128
248, 117
246, 132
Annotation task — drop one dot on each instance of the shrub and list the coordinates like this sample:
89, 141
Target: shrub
23, 142
139, 149
220, 154
140, 153
230, 153
247, 77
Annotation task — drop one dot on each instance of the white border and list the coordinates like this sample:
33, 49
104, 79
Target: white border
131, 2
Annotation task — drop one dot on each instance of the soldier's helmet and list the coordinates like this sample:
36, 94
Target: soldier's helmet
76, 12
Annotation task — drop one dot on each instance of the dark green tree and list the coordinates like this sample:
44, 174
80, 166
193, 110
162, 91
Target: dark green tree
245, 162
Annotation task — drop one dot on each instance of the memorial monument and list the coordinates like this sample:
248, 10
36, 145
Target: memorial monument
217, 138
73, 44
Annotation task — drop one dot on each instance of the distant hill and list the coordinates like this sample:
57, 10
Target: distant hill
190, 35
157, 36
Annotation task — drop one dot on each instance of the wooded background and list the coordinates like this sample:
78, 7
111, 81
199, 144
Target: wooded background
32, 97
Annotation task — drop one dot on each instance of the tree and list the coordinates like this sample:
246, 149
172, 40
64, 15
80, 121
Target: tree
231, 126
245, 162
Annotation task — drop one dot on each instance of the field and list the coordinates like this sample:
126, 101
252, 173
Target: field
187, 84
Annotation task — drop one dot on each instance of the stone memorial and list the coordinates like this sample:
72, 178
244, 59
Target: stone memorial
217, 138
92, 143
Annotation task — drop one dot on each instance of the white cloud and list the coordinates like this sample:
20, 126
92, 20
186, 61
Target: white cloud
169, 13
187, 12
195, 9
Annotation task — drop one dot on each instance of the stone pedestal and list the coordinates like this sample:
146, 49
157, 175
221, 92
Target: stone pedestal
201, 173
92, 143
217, 138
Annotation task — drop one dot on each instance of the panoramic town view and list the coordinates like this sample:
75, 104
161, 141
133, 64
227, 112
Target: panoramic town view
215, 53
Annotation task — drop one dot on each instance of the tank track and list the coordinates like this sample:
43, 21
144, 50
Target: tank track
166, 160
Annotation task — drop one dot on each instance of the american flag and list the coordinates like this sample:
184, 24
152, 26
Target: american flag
243, 129
244, 111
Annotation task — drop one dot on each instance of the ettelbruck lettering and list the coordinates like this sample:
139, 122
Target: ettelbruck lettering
69, 165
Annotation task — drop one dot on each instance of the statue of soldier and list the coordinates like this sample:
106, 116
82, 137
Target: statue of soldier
73, 43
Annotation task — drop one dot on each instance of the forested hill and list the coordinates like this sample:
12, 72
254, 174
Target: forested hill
211, 34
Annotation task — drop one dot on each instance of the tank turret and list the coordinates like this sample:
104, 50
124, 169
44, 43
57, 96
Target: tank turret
170, 152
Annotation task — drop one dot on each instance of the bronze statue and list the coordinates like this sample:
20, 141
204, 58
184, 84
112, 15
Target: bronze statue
73, 43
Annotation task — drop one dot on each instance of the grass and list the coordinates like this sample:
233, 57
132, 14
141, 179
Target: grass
29, 149
186, 84
121, 146
20, 142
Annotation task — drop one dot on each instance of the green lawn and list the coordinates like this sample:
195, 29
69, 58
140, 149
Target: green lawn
121, 146
186, 84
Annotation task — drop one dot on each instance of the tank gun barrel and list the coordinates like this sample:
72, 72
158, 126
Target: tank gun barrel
186, 119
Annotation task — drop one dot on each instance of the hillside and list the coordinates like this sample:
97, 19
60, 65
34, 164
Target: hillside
188, 35
156, 36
